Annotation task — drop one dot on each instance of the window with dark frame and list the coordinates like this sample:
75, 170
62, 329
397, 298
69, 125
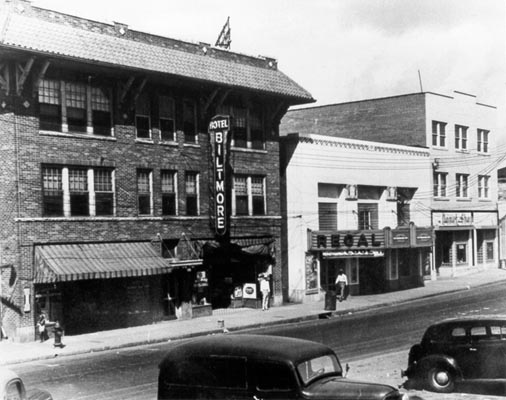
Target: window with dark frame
256, 130
168, 187
52, 192
258, 195
78, 189
241, 195
142, 117
189, 121
50, 116
367, 216
101, 112
144, 191
167, 118
76, 107
439, 184
104, 192
191, 189
240, 127
75, 98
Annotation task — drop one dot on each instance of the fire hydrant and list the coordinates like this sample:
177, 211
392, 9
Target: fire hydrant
58, 333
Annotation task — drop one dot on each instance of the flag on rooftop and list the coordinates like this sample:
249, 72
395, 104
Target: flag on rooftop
224, 39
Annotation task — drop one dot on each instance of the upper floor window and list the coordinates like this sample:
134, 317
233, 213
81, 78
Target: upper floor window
367, 216
482, 144
169, 197
86, 109
460, 137
52, 191
189, 121
142, 117
144, 192
483, 186
461, 182
248, 127
248, 195
167, 118
192, 193
438, 134
78, 188
327, 206
77, 191
439, 184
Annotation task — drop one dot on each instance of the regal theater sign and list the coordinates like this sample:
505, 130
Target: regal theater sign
218, 131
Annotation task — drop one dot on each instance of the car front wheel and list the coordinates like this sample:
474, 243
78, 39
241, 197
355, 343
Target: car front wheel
440, 379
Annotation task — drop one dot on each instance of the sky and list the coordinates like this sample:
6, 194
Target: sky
340, 50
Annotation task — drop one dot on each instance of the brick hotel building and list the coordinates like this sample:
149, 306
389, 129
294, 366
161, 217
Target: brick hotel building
106, 180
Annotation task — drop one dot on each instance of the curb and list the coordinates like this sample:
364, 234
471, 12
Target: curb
324, 314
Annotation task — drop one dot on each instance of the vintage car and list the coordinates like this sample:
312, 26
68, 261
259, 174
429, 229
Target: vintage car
461, 352
13, 388
236, 366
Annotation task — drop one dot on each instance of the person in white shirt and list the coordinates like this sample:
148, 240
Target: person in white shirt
341, 283
265, 288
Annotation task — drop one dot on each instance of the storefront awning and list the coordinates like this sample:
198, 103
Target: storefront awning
72, 262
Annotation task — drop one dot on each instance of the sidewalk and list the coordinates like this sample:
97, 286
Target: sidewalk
233, 319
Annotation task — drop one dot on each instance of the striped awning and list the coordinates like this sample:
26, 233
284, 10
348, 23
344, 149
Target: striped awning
72, 262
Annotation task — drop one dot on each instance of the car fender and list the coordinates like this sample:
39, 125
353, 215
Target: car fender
439, 359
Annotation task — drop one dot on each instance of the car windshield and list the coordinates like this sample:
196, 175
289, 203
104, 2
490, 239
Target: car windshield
315, 367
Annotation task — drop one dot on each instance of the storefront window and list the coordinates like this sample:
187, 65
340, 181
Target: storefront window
403, 262
354, 272
461, 253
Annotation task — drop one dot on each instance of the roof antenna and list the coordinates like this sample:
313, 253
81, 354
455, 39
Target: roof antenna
420, 80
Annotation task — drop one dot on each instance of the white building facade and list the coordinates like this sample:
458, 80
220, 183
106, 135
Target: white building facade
359, 206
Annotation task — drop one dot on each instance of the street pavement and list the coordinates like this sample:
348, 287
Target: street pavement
233, 320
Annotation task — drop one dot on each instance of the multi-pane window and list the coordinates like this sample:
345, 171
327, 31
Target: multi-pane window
104, 192
144, 198
241, 195
483, 186
438, 134
75, 99
192, 193
482, 144
240, 127
74, 115
52, 191
77, 191
257, 195
101, 112
460, 137
248, 128
168, 187
327, 206
50, 117
167, 118
439, 184
461, 181
367, 216
142, 117
248, 195
189, 121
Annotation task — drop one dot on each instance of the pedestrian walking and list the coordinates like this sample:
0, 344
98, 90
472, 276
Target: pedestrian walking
341, 283
266, 290
42, 328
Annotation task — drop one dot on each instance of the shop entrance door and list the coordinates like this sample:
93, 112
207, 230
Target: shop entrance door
372, 275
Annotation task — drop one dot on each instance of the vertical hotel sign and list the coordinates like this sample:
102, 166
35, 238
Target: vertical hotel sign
218, 131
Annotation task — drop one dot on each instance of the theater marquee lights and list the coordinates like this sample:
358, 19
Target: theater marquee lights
218, 132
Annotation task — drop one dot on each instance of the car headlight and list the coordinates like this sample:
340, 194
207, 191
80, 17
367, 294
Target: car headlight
397, 396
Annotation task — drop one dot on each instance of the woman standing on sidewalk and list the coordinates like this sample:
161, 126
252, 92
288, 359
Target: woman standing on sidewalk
341, 282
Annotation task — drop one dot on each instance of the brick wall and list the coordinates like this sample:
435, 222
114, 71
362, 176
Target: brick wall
396, 120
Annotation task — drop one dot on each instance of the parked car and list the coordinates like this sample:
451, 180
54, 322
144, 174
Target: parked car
13, 388
461, 352
260, 367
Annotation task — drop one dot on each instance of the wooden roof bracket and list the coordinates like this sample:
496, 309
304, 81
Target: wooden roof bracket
40, 76
22, 73
4, 77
